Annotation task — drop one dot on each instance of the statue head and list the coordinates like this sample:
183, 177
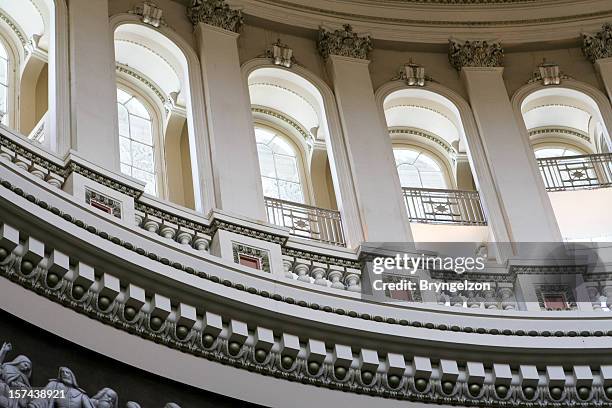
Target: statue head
106, 398
67, 377
23, 364
132, 404
171, 405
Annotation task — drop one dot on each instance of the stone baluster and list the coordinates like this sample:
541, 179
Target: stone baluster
335, 277
318, 273
301, 270
201, 243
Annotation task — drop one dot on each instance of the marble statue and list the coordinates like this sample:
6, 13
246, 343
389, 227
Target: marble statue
13, 375
75, 397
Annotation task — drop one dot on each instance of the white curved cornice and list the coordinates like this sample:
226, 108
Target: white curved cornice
435, 21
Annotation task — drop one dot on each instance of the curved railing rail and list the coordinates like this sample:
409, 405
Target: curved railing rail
306, 221
576, 172
438, 206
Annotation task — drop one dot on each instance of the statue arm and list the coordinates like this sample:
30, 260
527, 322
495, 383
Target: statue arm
6, 348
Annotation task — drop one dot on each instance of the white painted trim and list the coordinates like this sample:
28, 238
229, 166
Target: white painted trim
199, 140
338, 156
481, 171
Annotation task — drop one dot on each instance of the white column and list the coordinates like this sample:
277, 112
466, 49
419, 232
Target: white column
93, 87
383, 214
234, 151
529, 214
604, 67
58, 131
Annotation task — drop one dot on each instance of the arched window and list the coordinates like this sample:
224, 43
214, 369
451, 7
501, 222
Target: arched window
4, 84
137, 151
279, 166
561, 151
418, 169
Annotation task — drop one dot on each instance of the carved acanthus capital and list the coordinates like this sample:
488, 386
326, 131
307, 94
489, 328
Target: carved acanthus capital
345, 43
216, 13
475, 54
599, 45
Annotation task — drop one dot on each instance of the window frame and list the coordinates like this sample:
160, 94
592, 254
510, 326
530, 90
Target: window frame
14, 63
157, 120
303, 174
441, 162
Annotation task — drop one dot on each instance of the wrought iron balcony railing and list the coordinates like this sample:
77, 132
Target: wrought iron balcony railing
306, 221
437, 206
576, 172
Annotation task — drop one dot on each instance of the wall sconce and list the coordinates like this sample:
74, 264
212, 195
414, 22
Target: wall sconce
414, 74
550, 73
281, 54
151, 14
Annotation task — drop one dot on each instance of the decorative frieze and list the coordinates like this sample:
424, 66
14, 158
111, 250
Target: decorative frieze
216, 13
475, 54
598, 45
345, 43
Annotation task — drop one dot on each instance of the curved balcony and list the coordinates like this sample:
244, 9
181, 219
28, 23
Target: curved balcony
438, 206
576, 172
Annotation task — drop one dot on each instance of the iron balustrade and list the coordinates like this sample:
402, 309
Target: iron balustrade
438, 206
306, 221
576, 172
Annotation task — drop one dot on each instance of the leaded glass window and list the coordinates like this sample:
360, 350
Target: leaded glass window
417, 169
279, 166
4, 84
137, 152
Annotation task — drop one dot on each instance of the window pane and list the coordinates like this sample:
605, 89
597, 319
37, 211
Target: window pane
124, 124
137, 108
125, 169
409, 176
290, 191
3, 71
148, 178
266, 161
431, 179
263, 136
122, 97
141, 130
424, 163
280, 146
125, 152
3, 101
142, 157
270, 187
405, 156
286, 168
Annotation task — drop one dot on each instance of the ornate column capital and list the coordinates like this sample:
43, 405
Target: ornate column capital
599, 45
344, 43
216, 13
475, 54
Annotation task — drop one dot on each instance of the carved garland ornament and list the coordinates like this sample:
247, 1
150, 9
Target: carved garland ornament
599, 45
344, 43
216, 13
475, 54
